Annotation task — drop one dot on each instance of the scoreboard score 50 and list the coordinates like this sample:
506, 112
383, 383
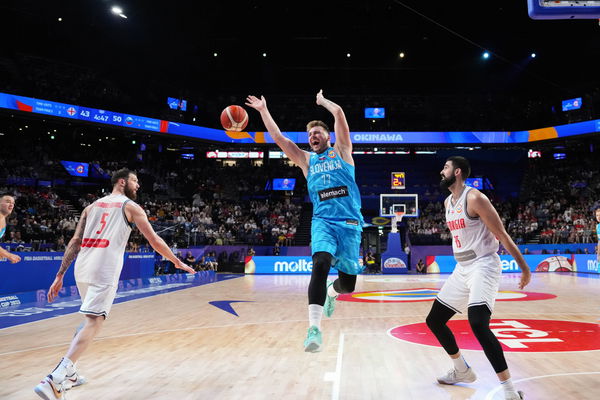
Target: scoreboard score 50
398, 180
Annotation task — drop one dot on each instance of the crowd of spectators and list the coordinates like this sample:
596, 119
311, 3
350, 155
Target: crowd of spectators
556, 206
43, 220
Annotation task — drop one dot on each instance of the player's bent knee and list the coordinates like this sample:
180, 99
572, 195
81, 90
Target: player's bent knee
321, 261
479, 319
434, 324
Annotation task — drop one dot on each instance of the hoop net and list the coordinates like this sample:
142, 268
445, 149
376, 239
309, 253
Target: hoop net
397, 217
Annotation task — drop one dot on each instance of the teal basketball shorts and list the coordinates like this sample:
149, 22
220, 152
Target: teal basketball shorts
342, 242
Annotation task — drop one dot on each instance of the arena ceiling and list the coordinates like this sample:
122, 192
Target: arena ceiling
172, 45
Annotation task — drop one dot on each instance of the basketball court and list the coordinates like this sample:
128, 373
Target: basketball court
189, 344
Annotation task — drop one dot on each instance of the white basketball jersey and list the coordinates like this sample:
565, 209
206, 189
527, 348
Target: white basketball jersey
105, 237
471, 239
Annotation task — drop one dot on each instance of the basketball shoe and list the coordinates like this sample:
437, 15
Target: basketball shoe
517, 396
329, 305
313, 342
74, 380
48, 389
453, 376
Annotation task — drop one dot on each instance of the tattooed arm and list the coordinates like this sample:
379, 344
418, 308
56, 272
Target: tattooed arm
70, 254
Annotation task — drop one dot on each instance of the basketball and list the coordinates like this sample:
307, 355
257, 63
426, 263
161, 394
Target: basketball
234, 118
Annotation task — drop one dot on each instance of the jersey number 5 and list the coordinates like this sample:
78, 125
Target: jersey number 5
458, 244
103, 222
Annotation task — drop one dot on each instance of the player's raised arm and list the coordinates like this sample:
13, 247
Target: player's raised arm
482, 207
343, 143
140, 219
294, 153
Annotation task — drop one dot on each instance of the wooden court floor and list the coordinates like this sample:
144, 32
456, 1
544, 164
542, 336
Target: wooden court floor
178, 346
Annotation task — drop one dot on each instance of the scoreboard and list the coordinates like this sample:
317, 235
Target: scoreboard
398, 180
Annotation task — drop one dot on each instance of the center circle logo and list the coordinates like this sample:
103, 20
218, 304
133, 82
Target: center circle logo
515, 335
429, 294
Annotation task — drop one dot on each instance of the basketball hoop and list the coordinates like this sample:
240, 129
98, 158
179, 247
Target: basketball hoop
397, 217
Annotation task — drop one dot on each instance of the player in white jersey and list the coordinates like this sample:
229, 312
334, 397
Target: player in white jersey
7, 205
99, 245
473, 285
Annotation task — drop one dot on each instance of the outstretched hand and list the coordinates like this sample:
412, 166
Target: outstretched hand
13, 258
256, 103
320, 98
181, 265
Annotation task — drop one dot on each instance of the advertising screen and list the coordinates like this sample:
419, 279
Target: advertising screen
76, 168
284, 183
374, 112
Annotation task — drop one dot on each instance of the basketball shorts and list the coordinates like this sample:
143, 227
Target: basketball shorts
472, 285
96, 299
341, 242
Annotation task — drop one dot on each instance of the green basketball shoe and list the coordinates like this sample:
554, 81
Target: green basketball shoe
329, 305
313, 342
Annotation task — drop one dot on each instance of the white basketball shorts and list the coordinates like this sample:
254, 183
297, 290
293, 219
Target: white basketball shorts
96, 299
472, 285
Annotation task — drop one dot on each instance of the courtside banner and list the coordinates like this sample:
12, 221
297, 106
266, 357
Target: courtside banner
38, 269
587, 263
284, 265
536, 262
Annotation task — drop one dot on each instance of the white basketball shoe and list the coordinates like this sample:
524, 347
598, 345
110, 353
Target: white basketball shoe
453, 376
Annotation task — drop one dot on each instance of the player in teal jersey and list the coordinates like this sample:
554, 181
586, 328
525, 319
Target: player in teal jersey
7, 204
337, 221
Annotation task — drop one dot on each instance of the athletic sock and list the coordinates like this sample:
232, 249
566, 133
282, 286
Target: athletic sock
315, 314
508, 387
331, 292
62, 370
460, 364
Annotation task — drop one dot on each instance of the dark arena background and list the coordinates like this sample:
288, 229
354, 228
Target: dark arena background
92, 86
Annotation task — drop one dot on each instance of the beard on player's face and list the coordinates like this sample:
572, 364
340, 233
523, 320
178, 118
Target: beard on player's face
446, 181
131, 189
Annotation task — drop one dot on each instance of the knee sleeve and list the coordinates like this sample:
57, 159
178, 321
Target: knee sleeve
479, 319
436, 321
345, 283
317, 288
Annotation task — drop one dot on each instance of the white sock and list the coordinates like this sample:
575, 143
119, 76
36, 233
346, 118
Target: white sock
62, 370
460, 364
508, 387
315, 314
331, 292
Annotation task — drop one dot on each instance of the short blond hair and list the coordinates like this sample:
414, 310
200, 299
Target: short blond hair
316, 122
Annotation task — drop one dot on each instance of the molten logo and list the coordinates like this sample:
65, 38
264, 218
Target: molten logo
592, 265
294, 266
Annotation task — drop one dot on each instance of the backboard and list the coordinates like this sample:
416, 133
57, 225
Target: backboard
390, 203
565, 9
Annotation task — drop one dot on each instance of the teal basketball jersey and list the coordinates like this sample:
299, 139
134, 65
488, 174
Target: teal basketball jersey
332, 189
